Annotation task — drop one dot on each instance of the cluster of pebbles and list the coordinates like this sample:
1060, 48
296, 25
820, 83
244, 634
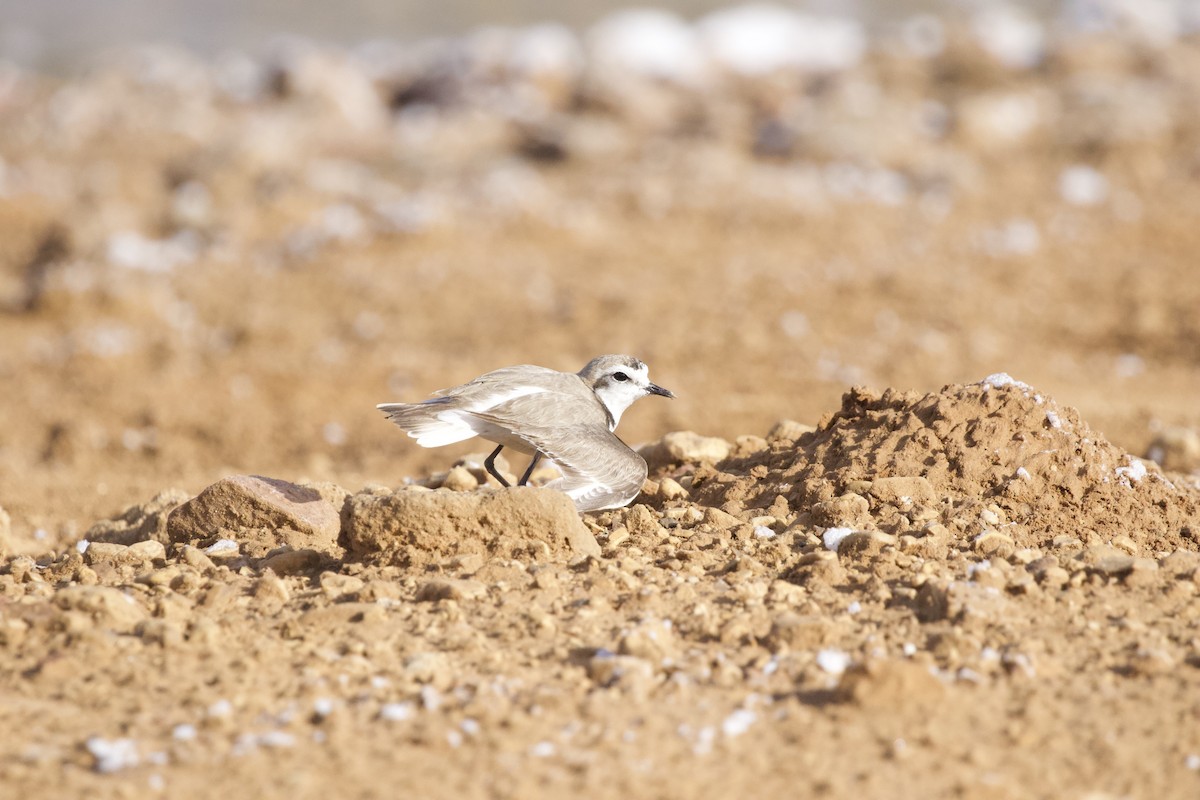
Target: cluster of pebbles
907, 545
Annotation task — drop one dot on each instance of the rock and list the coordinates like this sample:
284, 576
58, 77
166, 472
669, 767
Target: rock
197, 559
408, 528
993, 544
460, 479
669, 489
848, 511
684, 447
628, 672
140, 523
891, 686
721, 520
258, 513
104, 552
5, 533
864, 545
336, 585
148, 550
799, 632
451, 589
788, 429
289, 561
653, 640
1114, 566
903, 491
1176, 449
1180, 562
932, 602
642, 522
108, 608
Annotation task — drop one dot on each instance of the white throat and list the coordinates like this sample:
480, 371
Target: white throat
617, 397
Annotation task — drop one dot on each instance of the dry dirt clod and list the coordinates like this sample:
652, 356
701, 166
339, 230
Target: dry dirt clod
263, 513
409, 529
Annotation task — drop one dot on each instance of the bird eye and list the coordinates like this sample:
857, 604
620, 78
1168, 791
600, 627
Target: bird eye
620, 376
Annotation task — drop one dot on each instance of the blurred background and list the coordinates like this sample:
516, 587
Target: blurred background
62, 34
228, 230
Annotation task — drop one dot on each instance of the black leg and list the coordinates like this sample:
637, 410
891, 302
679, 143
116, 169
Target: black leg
490, 463
525, 478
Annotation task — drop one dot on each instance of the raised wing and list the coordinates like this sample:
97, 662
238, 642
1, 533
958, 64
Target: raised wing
599, 470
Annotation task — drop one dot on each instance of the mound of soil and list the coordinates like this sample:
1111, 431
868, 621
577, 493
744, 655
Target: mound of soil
994, 460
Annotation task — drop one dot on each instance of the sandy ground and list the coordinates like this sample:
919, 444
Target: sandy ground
935, 586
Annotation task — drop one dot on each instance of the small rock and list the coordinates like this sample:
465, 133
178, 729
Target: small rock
1180, 562
629, 672
113, 755
196, 558
788, 429
684, 447
460, 479
262, 513
721, 520
1114, 566
104, 552
149, 550
290, 562
892, 685
450, 589
433, 669
1176, 449
108, 608
271, 587
653, 640
848, 511
896, 490
798, 632
864, 544
993, 544
336, 585
5, 533
669, 489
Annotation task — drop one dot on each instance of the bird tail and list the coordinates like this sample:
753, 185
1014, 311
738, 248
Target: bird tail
429, 423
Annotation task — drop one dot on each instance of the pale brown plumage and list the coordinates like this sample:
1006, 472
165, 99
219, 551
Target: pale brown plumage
565, 417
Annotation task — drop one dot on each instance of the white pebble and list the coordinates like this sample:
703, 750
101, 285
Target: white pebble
738, 722
1082, 186
833, 661
113, 755
277, 739
909, 649
1192, 762
832, 537
222, 546
396, 712
323, 707
221, 708
184, 732
81, 546
763, 532
1134, 471
855, 607
1054, 420
1023, 474
999, 379
543, 749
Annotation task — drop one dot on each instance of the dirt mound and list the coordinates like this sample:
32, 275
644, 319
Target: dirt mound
995, 461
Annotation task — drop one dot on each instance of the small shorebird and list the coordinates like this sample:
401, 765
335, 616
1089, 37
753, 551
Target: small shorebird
567, 418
